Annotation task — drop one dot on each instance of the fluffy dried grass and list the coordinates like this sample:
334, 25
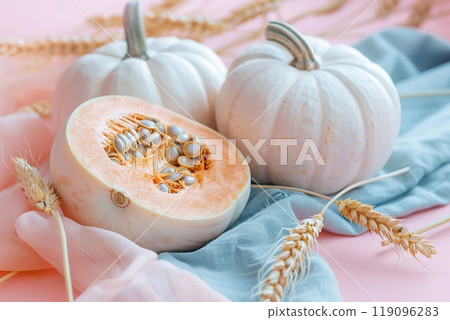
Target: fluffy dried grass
43, 197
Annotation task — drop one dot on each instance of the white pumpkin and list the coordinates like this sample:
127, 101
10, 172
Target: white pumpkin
179, 74
342, 105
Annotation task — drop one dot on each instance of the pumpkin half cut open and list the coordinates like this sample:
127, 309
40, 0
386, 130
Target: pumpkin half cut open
150, 174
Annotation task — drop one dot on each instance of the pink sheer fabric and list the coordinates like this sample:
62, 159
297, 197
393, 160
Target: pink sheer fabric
108, 267
25, 135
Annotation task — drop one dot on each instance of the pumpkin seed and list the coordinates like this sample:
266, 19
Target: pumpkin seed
185, 162
192, 149
141, 147
160, 127
137, 154
155, 138
148, 124
174, 130
172, 154
183, 138
183, 170
119, 145
168, 170
163, 187
144, 136
188, 180
115, 159
152, 119
132, 140
174, 176
178, 145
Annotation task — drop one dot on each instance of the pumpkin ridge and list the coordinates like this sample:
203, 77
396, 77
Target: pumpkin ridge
238, 94
210, 97
368, 153
356, 101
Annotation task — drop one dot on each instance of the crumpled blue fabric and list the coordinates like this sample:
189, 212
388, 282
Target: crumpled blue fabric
417, 62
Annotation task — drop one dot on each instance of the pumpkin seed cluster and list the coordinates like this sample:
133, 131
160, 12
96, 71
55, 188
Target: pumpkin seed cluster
178, 157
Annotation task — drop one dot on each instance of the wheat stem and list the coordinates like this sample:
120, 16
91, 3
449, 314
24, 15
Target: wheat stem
361, 183
66, 265
433, 225
425, 94
43, 197
312, 193
8, 276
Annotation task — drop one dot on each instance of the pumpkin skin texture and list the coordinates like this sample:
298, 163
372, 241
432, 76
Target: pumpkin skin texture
333, 95
98, 192
181, 75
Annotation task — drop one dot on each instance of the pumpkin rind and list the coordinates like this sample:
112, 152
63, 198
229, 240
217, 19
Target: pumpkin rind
349, 107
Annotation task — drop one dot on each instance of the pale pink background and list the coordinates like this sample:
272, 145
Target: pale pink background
364, 269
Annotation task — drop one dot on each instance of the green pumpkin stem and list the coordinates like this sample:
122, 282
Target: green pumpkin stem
133, 23
289, 38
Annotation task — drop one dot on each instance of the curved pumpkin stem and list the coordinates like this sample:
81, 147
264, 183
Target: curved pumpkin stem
133, 23
288, 37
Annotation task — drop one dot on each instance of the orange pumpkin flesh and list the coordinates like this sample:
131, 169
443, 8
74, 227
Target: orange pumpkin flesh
99, 192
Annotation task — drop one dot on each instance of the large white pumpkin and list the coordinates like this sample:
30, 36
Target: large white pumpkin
179, 74
329, 100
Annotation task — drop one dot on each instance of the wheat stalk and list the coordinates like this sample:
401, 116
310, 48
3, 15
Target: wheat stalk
43, 197
280, 273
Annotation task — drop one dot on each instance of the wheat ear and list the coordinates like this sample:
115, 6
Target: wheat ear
295, 256
385, 226
386, 8
43, 197
420, 12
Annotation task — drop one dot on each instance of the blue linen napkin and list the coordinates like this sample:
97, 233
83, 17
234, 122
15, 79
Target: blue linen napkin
417, 62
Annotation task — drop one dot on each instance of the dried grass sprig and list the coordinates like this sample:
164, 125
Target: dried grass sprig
43, 197
42, 108
294, 256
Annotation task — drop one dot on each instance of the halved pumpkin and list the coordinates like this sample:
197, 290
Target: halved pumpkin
143, 171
